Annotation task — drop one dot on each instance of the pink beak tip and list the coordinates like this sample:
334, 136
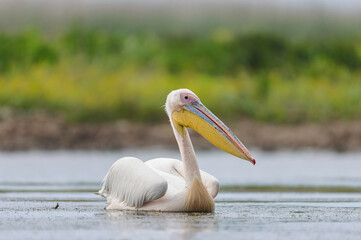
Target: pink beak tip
254, 161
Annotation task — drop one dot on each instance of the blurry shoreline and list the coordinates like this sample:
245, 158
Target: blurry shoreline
290, 70
44, 132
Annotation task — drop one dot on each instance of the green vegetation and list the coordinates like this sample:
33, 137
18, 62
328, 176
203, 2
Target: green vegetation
251, 188
279, 188
101, 75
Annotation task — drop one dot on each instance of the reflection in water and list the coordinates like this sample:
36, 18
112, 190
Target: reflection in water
301, 167
185, 225
271, 216
31, 185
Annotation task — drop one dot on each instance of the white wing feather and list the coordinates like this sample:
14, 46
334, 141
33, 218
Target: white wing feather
175, 167
130, 181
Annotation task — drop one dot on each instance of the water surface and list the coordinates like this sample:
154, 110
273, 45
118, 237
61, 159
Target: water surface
33, 183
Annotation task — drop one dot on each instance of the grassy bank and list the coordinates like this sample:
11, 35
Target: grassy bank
96, 76
300, 189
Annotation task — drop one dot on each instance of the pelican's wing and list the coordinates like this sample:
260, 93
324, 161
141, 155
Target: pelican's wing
130, 181
175, 167
211, 183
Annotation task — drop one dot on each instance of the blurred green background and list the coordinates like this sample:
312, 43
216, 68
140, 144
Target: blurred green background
98, 61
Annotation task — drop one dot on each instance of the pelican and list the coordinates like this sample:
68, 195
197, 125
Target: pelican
170, 185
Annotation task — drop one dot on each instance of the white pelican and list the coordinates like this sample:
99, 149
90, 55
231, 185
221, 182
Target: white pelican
166, 184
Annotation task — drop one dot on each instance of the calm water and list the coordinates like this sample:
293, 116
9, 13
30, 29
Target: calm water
305, 167
32, 183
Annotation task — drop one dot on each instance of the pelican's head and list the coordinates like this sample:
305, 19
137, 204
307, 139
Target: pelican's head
186, 110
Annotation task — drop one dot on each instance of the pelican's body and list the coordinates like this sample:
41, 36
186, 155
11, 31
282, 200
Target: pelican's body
165, 184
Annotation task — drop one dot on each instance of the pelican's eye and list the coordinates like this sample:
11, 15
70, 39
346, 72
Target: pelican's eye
187, 98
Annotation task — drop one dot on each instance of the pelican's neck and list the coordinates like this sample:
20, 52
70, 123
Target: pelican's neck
190, 164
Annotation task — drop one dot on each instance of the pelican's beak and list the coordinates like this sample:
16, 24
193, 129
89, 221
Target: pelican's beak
200, 119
